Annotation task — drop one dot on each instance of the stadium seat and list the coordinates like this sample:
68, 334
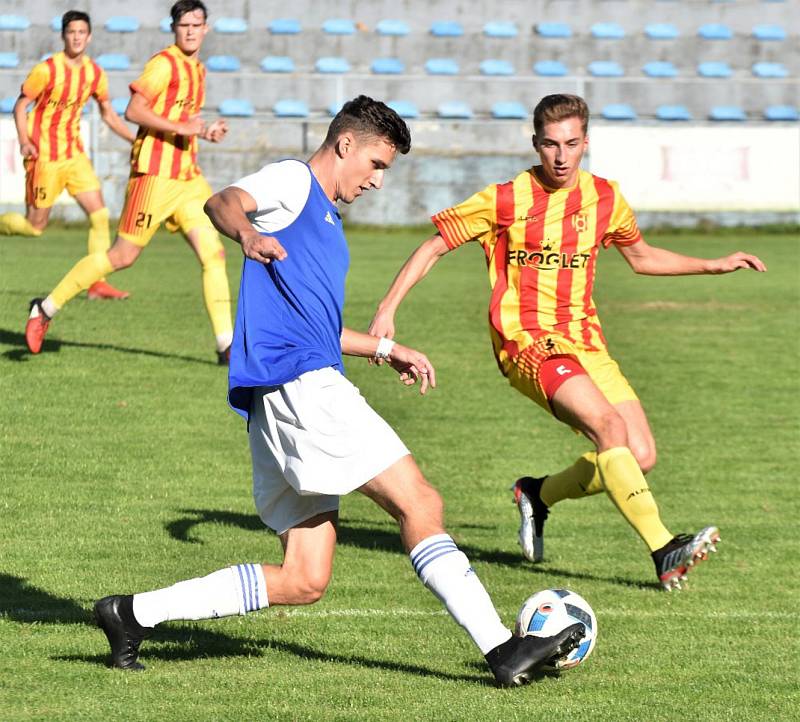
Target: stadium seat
608, 31
236, 108
17, 22
288, 108
496, 67
727, 112
7, 105
770, 70
404, 108
455, 109
550, 68
339, 26
441, 66
332, 65
165, 26
715, 31
277, 64
769, 32
113, 61
284, 26
510, 110
673, 112
618, 111
9, 60
606, 69
781, 112
661, 31
392, 27
120, 104
223, 64
230, 26
446, 29
388, 66
122, 24
659, 69
500, 29
554, 30
334, 108
55, 24
714, 69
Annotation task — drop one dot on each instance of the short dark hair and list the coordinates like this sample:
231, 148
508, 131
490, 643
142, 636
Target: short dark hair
180, 8
71, 16
367, 117
554, 108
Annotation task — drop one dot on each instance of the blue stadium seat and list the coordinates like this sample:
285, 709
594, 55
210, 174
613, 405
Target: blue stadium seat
500, 29
441, 66
770, 70
659, 69
17, 22
446, 29
618, 111
496, 67
554, 30
608, 31
333, 65
334, 108
392, 27
7, 105
9, 60
510, 110
165, 26
277, 64
455, 109
673, 112
122, 24
236, 108
45, 57
404, 108
550, 68
113, 61
769, 32
223, 64
55, 24
388, 66
714, 69
606, 69
231, 26
715, 31
727, 112
288, 108
781, 112
284, 26
661, 31
120, 104
339, 26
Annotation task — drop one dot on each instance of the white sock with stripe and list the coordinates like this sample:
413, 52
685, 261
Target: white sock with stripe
234, 590
446, 571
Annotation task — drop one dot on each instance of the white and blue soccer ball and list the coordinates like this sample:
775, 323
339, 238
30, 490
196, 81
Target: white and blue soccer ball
547, 612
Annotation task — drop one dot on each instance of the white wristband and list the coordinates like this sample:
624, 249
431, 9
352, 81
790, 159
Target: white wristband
385, 346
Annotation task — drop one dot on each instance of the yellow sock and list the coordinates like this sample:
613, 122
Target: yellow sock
99, 237
15, 224
216, 291
82, 275
576, 481
626, 486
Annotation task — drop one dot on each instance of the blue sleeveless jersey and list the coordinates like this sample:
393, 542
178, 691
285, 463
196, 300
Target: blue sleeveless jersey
289, 313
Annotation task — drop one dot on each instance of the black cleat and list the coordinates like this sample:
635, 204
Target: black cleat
114, 615
532, 515
224, 357
515, 661
676, 558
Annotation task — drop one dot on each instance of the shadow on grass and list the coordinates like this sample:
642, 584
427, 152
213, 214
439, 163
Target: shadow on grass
50, 345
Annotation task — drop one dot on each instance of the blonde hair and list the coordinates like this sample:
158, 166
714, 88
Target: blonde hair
554, 108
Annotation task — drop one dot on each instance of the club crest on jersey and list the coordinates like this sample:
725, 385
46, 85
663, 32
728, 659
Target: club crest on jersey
580, 222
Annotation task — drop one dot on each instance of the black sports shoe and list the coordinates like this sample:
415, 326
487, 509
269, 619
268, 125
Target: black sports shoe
516, 660
114, 615
224, 357
532, 515
674, 560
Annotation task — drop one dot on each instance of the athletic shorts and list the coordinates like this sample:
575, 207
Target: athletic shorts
45, 179
523, 371
151, 201
313, 440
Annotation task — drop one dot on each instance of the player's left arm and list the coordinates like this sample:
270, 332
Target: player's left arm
113, 121
653, 261
215, 131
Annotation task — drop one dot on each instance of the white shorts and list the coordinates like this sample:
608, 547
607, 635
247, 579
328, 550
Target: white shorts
313, 440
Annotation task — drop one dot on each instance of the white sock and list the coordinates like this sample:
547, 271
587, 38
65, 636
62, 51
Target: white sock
234, 590
446, 571
224, 340
49, 307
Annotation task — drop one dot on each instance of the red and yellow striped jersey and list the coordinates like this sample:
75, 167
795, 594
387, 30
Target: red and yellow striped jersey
59, 91
541, 249
174, 86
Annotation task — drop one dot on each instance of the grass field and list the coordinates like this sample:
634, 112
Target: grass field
123, 470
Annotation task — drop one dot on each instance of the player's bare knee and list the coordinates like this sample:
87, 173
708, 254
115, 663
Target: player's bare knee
423, 500
609, 430
311, 585
645, 455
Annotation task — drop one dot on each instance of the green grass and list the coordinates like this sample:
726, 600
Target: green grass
123, 470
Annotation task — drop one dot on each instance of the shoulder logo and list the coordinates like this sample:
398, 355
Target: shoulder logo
329, 218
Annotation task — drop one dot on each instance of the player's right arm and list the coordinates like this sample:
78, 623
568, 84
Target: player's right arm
26, 148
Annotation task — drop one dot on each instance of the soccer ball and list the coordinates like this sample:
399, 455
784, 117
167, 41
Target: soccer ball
547, 612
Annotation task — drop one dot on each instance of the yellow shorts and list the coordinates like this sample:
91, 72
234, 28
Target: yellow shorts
45, 179
150, 201
523, 370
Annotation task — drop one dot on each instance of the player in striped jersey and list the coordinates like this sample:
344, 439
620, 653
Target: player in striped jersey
50, 140
165, 185
541, 233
